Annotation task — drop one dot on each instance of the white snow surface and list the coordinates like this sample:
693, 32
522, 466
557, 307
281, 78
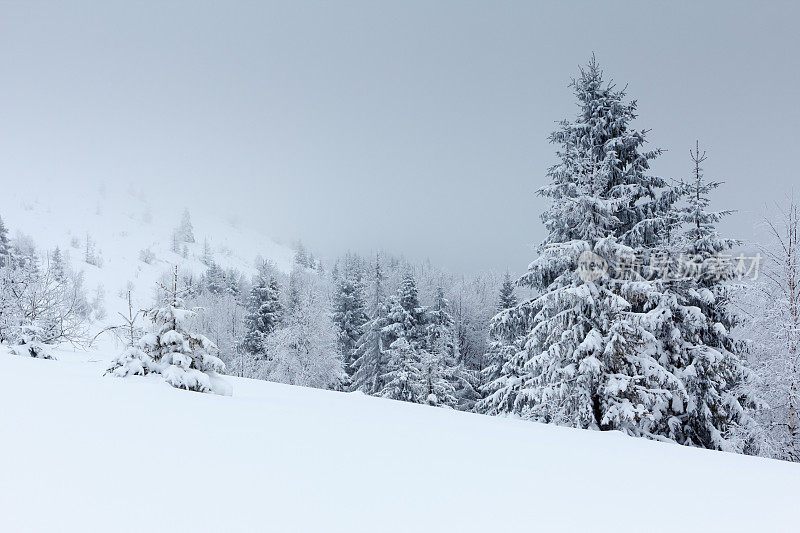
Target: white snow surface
84, 452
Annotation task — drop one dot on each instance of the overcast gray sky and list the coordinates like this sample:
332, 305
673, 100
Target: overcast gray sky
418, 127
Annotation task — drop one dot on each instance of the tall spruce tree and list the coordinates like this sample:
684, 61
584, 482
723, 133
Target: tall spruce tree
444, 379
404, 332
587, 360
264, 313
693, 322
502, 350
368, 360
349, 310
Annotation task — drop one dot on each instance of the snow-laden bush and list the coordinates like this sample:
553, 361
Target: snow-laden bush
131, 362
184, 358
147, 256
27, 340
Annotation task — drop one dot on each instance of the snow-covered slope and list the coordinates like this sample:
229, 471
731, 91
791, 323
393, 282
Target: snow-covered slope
122, 221
82, 452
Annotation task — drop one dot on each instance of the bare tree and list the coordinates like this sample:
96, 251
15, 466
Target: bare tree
773, 309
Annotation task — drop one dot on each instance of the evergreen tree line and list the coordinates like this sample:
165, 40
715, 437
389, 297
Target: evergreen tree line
318, 328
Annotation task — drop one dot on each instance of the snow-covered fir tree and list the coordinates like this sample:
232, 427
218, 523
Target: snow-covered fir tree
503, 371
264, 313
184, 233
369, 360
214, 280
28, 340
133, 361
404, 379
349, 309
693, 320
301, 254
508, 298
446, 382
207, 256
297, 278
378, 358
57, 264
90, 254
404, 332
5, 245
588, 361
439, 382
183, 357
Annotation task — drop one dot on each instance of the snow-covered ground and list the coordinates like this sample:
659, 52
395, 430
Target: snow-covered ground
83, 452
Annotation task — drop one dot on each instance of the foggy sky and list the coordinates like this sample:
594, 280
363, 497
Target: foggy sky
416, 127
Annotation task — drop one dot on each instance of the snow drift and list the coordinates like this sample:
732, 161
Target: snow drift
83, 452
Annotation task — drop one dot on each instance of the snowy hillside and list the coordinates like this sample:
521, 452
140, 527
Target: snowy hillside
120, 223
82, 452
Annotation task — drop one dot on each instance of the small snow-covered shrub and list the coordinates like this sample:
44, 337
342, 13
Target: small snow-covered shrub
184, 358
147, 256
27, 341
132, 362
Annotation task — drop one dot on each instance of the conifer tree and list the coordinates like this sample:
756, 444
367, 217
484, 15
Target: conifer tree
349, 312
497, 377
507, 297
438, 386
405, 333
293, 294
368, 368
264, 313
369, 359
133, 360
5, 245
208, 257
57, 264
587, 360
301, 255
28, 341
185, 231
184, 358
215, 281
694, 321
445, 377
404, 378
